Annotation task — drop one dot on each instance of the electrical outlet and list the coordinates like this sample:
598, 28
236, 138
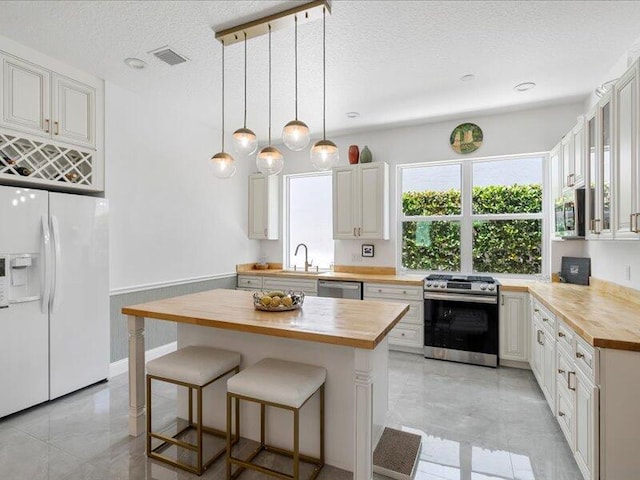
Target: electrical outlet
627, 272
356, 258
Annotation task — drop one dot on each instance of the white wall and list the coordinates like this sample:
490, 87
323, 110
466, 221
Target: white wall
528, 131
610, 259
171, 219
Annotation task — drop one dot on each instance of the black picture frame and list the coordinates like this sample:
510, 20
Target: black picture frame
367, 250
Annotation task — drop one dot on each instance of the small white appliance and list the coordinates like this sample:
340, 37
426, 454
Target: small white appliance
54, 295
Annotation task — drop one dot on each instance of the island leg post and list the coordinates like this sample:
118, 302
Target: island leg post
136, 376
363, 466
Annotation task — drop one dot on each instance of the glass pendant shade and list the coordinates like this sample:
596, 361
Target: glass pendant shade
270, 161
295, 135
324, 155
223, 165
245, 141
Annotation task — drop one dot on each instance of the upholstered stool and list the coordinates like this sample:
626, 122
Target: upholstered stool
194, 368
281, 384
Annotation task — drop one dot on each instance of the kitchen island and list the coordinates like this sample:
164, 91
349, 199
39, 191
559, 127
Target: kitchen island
347, 337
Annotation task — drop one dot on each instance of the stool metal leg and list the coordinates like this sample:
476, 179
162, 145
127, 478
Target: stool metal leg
148, 403
296, 444
190, 406
322, 424
263, 421
199, 432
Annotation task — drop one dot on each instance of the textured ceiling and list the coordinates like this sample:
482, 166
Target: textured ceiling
395, 62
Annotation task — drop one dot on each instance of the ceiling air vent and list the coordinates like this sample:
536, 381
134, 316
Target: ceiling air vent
168, 56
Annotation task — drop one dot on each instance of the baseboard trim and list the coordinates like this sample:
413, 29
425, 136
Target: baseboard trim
173, 283
122, 366
514, 364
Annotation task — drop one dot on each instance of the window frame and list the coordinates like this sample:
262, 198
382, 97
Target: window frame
467, 217
286, 241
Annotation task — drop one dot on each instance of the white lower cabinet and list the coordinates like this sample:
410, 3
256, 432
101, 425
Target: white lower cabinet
249, 282
408, 334
586, 413
564, 366
514, 327
309, 287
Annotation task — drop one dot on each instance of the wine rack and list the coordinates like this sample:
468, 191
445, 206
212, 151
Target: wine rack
26, 159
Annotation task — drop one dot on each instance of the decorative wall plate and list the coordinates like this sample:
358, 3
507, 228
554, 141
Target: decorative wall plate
466, 138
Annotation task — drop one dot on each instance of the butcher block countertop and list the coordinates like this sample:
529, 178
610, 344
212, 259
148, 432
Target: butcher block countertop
600, 318
604, 314
351, 323
343, 273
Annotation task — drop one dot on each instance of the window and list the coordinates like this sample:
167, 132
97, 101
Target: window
481, 216
309, 219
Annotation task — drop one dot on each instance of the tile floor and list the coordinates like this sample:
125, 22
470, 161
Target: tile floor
477, 423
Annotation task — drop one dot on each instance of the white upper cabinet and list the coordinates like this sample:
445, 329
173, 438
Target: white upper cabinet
573, 157
592, 171
73, 111
41, 102
578, 147
51, 122
626, 156
263, 207
567, 162
25, 96
555, 159
604, 160
361, 202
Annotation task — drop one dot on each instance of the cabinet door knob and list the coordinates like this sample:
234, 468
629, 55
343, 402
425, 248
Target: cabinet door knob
560, 371
561, 413
579, 355
402, 334
545, 319
379, 290
560, 334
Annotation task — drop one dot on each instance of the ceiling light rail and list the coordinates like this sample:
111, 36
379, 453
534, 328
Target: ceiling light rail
305, 13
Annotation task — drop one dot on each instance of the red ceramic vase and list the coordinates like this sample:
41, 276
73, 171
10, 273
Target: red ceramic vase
354, 154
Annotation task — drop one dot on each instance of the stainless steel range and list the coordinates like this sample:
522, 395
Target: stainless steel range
461, 318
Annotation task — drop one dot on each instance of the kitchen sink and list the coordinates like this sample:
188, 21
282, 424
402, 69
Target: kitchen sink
301, 272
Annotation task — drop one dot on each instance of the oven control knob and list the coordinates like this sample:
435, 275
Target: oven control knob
491, 288
483, 286
443, 284
428, 284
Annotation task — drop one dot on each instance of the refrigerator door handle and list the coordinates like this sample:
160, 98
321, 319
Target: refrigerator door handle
55, 289
46, 267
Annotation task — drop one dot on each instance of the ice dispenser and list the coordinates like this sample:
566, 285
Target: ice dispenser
19, 278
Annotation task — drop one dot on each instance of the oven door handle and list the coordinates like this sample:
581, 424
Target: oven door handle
460, 297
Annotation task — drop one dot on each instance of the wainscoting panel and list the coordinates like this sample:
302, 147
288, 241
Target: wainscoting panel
157, 332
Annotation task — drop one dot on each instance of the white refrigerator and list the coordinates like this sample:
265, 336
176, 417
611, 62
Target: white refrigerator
54, 295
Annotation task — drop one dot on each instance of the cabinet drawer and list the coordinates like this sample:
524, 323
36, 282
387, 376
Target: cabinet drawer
309, 287
547, 319
564, 367
565, 417
565, 337
397, 292
250, 281
407, 335
585, 358
413, 317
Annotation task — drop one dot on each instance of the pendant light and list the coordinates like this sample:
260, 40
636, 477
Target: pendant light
269, 160
223, 163
295, 134
244, 140
324, 153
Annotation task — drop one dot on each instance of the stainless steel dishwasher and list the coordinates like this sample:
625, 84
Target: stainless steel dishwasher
338, 289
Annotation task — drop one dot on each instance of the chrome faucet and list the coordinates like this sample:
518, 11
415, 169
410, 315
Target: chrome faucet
307, 264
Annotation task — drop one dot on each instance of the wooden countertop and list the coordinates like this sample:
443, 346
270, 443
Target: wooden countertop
414, 280
602, 319
351, 323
